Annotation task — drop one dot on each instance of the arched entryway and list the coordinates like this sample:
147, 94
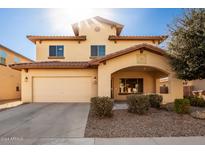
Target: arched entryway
136, 79
152, 66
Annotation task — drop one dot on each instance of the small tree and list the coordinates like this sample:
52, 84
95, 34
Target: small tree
187, 45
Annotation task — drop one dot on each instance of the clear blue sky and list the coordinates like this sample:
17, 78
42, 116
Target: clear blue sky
15, 24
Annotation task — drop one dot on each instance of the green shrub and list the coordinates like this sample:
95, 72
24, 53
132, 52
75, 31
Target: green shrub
182, 106
197, 101
155, 100
102, 106
138, 103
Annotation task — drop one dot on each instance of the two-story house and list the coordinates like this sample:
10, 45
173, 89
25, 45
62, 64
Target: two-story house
10, 79
96, 61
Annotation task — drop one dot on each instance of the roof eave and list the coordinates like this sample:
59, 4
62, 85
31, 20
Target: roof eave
119, 30
29, 38
53, 38
21, 66
144, 46
117, 38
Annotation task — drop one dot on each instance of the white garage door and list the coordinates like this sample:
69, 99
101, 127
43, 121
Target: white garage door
61, 89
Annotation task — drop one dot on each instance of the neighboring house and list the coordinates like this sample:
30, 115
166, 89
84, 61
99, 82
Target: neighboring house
198, 84
97, 61
194, 85
10, 79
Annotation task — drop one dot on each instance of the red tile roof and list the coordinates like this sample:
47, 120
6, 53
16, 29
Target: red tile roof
88, 64
159, 38
52, 65
145, 46
41, 38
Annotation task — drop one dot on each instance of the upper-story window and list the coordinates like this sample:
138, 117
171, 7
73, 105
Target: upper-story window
3, 56
16, 60
97, 50
56, 51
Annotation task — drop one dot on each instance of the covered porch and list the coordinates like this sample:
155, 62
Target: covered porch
137, 80
138, 69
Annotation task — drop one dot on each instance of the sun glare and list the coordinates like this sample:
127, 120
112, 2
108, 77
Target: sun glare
61, 19
76, 15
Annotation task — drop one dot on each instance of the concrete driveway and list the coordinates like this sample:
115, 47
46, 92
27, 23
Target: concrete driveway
37, 121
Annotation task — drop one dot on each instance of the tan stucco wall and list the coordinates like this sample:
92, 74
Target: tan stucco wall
129, 60
112, 68
74, 51
134, 59
10, 78
27, 86
198, 84
148, 82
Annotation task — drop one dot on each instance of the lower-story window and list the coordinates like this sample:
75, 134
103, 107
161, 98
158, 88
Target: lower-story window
164, 89
131, 85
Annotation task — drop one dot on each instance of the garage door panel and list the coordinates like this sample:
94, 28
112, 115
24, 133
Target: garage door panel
61, 89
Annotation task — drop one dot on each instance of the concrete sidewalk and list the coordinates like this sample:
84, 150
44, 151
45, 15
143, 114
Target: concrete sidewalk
107, 141
153, 141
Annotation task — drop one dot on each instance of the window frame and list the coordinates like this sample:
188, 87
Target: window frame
125, 88
164, 89
98, 51
57, 51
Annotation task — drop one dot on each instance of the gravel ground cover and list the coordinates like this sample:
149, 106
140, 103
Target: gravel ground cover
156, 123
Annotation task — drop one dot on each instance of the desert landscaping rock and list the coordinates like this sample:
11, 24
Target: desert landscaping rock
198, 114
157, 123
